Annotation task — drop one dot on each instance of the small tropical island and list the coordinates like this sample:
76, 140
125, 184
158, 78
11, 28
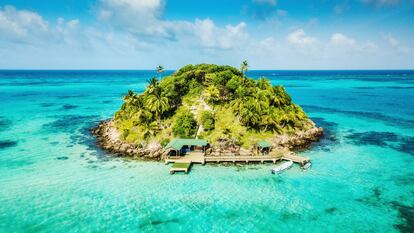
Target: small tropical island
206, 112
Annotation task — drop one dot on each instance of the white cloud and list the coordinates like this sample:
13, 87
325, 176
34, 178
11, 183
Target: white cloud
396, 45
340, 43
369, 46
136, 16
391, 40
73, 23
205, 29
126, 44
143, 18
20, 24
341, 39
212, 36
28, 27
299, 37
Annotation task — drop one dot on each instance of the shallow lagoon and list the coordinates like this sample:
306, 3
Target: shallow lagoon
53, 178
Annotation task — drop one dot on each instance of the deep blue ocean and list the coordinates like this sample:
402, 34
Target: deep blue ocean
54, 179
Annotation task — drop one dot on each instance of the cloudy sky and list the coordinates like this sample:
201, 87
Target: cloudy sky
270, 34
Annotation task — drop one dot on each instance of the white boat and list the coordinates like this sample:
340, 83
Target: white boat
281, 167
306, 166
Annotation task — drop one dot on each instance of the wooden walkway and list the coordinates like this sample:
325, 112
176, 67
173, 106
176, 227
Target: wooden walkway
184, 163
297, 159
245, 159
191, 157
180, 167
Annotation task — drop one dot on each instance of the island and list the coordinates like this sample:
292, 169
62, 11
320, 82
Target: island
208, 112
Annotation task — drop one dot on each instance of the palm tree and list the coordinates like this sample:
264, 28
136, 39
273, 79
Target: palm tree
158, 104
150, 128
160, 69
248, 113
244, 67
129, 96
153, 85
237, 105
141, 116
263, 83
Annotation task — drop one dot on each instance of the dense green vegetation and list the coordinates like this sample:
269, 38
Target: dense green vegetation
215, 102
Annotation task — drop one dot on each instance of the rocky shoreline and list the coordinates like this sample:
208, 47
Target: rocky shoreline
300, 140
108, 138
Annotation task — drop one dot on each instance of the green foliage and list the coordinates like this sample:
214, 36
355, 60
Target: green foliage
207, 120
212, 94
125, 133
234, 83
160, 69
185, 125
239, 107
227, 126
244, 67
263, 84
164, 141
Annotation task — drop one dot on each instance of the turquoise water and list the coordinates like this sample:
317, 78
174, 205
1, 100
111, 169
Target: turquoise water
54, 179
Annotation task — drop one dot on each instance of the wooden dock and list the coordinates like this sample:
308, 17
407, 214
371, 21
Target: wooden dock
192, 157
244, 159
180, 167
183, 163
297, 159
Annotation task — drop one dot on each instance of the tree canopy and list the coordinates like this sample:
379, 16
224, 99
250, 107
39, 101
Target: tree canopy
220, 99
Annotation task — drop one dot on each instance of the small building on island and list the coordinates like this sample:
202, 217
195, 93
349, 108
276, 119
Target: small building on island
181, 146
263, 147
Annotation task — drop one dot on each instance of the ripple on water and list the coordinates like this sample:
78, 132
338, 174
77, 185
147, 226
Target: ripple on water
47, 105
69, 106
154, 222
4, 144
331, 210
70, 96
4, 123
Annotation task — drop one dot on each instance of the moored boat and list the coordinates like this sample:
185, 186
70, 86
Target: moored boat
282, 167
306, 166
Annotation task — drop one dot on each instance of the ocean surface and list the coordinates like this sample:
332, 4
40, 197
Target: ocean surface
54, 179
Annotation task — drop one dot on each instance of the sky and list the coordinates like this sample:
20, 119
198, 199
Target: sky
270, 34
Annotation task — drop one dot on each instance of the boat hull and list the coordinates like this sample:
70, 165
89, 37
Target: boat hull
282, 167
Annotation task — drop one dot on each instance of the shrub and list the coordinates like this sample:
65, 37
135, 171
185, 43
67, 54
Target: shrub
234, 83
164, 142
185, 125
125, 133
207, 120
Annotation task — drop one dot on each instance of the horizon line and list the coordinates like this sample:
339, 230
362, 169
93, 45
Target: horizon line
405, 69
